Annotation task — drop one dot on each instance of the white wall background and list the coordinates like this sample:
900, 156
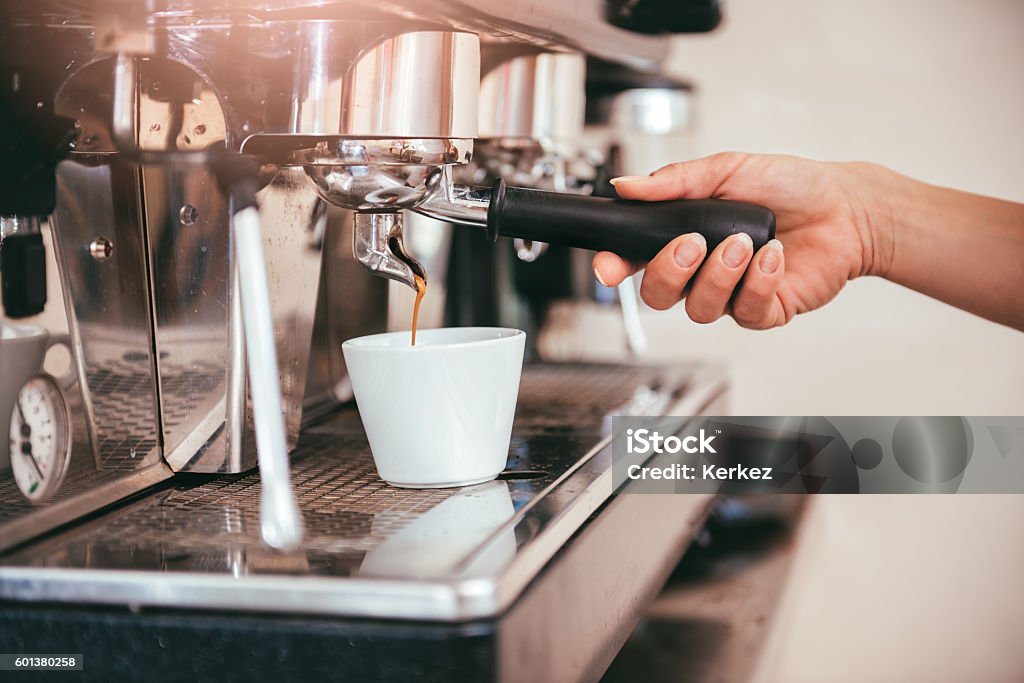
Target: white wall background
882, 588
931, 88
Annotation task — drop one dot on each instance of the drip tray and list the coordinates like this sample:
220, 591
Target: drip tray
370, 550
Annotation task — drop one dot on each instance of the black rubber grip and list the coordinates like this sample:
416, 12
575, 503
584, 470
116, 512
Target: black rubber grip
632, 229
23, 274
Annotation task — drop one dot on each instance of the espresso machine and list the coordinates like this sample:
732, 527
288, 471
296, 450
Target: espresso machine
226, 183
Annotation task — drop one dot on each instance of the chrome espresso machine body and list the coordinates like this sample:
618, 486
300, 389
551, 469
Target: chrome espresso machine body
143, 232
202, 166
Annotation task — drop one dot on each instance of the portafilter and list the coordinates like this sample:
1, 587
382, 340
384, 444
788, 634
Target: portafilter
379, 178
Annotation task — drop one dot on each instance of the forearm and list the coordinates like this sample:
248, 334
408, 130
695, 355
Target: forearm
964, 249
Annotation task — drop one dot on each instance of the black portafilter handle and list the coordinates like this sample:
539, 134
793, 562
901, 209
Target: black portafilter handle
634, 230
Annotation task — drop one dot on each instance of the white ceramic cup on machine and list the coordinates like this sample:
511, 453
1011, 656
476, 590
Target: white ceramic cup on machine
439, 413
22, 351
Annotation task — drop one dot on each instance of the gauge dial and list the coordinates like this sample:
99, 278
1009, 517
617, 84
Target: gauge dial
40, 439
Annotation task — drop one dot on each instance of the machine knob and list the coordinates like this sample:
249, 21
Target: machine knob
23, 274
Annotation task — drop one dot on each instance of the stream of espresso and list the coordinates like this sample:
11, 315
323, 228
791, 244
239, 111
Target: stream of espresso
421, 289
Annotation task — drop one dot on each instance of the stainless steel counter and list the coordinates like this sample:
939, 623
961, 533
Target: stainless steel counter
372, 550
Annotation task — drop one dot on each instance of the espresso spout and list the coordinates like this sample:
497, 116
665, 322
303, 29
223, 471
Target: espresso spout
379, 245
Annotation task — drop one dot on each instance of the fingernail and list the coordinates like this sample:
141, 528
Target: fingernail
600, 279
771, 258
690, 250
739, 248
628, 179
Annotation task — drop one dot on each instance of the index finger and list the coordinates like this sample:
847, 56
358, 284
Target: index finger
696, 179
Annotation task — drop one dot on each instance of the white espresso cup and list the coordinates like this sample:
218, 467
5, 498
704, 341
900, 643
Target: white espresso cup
22, 351
439, 413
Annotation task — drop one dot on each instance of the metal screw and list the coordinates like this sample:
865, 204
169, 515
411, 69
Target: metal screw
188, 214
101, 248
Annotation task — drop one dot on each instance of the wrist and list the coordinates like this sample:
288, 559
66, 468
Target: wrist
870, 189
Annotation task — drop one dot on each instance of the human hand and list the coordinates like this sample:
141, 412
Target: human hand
822, 220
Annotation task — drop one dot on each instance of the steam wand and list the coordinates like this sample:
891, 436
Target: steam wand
280, 518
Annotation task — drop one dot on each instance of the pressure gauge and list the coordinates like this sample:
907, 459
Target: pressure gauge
40, 439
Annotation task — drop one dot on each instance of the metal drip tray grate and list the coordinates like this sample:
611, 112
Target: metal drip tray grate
186, 386
128, 434
346, 508
197, 543
128, 431
82, 476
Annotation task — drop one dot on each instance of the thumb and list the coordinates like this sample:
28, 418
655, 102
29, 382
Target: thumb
696, 179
